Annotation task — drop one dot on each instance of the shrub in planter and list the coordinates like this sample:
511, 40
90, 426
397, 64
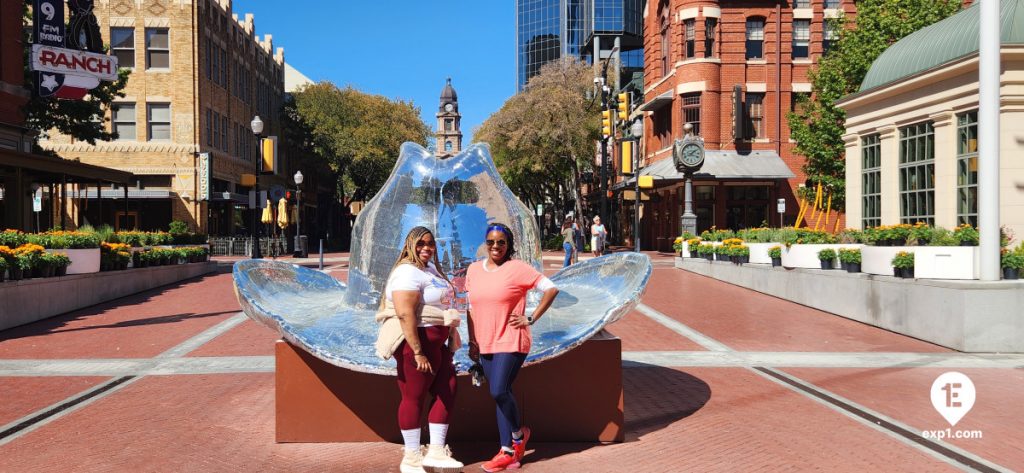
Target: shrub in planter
741, 253
693, 243
775, 253
27, 257
827, 257
12, 238
60, 262
3, 269
722, 253
850, 257
705, 251
943, 237
920, 234
1012, 262
903, 264
967, 235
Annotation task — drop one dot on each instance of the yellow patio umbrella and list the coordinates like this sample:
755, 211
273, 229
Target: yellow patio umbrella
268, 216
282, 213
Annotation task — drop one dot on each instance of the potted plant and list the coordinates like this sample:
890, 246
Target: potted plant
1012, 262
60, 263
775, 253
3, 269
827, 257
27, 257
706, 251
722, 253
693, 244
741, 253
850, 257
903, 264
967, 235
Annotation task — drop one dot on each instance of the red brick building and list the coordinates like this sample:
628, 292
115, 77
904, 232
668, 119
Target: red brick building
705, 62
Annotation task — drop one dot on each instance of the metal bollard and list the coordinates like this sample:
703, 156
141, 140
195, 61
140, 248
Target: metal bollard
321, 254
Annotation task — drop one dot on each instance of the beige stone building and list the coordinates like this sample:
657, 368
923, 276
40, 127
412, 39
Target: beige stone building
912, 129
199, 75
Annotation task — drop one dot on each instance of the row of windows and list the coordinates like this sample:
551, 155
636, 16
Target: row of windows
753, 117
250, 90
917, 173
158, 47
807, 3
217, 135
158, 122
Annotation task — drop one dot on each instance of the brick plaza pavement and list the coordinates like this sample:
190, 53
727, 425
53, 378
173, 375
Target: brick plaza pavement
716, 378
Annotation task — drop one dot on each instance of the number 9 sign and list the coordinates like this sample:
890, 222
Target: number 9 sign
47, 9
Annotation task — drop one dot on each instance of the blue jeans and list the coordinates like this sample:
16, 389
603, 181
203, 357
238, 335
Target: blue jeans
501, 370
568, 254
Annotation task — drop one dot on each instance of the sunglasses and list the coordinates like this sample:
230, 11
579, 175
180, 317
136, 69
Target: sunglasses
496, 242
431, 244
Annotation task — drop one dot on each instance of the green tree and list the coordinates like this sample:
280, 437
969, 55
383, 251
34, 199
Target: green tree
83, 120
358, 135
818, 125
542, 139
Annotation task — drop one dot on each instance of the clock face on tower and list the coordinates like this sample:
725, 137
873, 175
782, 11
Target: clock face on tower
692, 154
448, 107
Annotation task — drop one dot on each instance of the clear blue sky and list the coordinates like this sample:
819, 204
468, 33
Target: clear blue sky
403, 49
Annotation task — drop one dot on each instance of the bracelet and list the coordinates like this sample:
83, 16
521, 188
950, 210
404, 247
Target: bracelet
418, 354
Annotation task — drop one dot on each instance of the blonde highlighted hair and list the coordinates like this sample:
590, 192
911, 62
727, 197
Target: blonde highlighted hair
408, 256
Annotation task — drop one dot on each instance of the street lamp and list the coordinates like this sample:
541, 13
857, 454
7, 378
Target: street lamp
300, 244
257, 129
637, 132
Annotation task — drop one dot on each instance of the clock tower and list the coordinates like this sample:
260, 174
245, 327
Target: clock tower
449, 134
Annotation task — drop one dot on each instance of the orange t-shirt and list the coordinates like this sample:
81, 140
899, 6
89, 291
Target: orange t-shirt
494, 294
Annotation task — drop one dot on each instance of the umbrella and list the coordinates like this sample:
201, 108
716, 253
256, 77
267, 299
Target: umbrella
282, 213
268, 216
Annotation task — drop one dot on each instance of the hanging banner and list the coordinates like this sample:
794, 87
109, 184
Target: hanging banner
205, 177
68, 60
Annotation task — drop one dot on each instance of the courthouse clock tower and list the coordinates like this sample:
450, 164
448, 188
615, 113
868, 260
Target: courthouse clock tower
449, 134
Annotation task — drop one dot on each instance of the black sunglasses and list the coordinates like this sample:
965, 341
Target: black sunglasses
430, 243
496, 242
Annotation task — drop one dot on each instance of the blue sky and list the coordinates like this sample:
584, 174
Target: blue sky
403, 49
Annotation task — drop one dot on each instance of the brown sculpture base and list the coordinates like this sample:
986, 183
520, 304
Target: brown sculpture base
576, 397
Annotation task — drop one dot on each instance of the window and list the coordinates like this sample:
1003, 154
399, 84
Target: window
709, 36
223, 68
917, 174
447, 145
967, 169
662, 126
801, 38
871, 182
801, 3
209, 59
158, 52
755, 38
122, 43
158, 121
216, 134
664, 39
832, 3
124, 121
830, 36
209, 127
691, 111
449, 124
688, 44
224, 133
755, 115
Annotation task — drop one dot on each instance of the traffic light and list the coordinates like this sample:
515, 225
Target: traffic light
623, 106
627, 157
606, 122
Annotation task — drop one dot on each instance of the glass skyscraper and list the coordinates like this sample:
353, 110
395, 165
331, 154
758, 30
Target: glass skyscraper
549, 29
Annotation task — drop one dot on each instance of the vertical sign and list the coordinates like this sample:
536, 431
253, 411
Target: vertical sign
48, 30
205, 177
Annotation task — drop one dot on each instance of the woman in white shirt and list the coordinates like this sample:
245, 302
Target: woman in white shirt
416, 322
597, 237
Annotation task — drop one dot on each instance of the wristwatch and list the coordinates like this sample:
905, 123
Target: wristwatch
529, 320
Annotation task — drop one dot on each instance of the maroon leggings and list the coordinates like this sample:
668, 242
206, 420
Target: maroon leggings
414, 385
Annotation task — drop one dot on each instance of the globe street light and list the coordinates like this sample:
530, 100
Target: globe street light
300, 247
257, 129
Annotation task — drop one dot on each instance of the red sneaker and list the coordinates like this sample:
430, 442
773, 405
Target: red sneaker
520, 446
502, 461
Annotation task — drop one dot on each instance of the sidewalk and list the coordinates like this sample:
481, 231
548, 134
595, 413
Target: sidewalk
716, 378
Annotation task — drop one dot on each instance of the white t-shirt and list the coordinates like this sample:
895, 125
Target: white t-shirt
434, 290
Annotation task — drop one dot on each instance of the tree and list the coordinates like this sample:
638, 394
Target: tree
818, 125
543, 138
82, 120
358, 135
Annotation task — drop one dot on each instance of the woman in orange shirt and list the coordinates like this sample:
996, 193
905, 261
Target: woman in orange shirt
499, 332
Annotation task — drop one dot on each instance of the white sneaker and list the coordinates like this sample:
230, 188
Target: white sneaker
439, 460
412, 462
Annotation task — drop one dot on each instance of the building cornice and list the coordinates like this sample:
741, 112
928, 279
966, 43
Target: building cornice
119, 146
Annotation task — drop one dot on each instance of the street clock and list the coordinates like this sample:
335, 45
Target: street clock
688, 154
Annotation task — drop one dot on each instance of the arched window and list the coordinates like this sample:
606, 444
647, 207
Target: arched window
447, 145
755, 37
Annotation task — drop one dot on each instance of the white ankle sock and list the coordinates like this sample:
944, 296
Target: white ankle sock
412, 439
517, 435
508, 450
438, 432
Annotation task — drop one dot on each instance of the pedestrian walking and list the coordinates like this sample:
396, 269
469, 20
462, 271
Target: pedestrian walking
567, 239
499, 333
598, 235
419, 329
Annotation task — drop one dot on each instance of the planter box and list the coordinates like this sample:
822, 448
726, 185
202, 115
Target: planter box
759, 252
878, 259
930, 262
806, 256
83, 261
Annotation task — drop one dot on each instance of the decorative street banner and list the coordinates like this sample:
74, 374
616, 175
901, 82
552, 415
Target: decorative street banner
205, 177
68, 64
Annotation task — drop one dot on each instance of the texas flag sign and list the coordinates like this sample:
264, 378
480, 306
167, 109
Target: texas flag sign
66, 65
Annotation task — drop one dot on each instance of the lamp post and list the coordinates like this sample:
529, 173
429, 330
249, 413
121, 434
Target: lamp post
300, 244
257, 129
637, 132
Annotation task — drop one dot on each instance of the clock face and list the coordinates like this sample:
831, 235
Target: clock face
692, 155
448, 107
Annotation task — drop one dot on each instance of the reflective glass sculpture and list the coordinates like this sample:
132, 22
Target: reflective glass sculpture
457, 198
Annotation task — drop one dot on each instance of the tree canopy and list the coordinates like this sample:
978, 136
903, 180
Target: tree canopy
357, 134
543, 137
818, 126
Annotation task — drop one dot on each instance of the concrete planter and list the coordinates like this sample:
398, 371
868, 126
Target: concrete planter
759, 252
806, 256
878, 259
83, 261
946, 262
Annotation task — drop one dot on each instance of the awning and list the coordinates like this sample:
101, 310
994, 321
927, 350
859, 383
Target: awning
661, 100
229, 197
119, 194
55, 169
722, 164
